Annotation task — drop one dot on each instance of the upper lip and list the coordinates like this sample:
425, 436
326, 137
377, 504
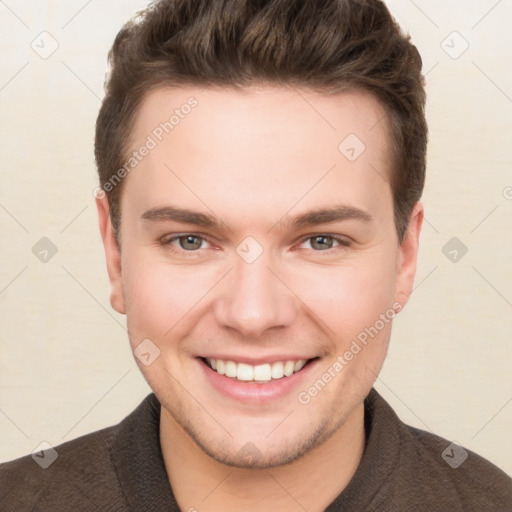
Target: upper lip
254, 361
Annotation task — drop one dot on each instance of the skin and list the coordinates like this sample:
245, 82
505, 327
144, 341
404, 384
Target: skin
253, 159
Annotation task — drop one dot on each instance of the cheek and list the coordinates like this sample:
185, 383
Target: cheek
349, 299
155, 299
161, 299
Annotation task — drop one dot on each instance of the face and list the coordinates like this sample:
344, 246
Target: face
257, 237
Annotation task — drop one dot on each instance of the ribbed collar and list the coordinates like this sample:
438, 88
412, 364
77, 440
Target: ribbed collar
380, 457
138, 460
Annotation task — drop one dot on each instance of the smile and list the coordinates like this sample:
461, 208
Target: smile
260, 373
259, 383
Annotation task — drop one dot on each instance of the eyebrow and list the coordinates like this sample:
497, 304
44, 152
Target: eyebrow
171, 213
312, 218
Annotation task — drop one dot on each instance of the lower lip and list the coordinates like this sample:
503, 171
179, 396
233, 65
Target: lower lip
252, 392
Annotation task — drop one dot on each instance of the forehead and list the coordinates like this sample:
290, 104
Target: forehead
272, 143
210, 111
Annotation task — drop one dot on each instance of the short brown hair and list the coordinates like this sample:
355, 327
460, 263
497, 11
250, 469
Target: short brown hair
324, 45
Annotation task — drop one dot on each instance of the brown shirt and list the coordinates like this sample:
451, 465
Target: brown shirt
120, 468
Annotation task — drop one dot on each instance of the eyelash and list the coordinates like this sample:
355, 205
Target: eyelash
167, 243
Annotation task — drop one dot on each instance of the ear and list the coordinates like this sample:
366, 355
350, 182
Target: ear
112, 254
407, 258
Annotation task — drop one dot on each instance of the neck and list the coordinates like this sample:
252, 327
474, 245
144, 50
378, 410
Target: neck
312, 482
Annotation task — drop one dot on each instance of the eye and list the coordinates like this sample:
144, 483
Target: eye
187, 242
321, 243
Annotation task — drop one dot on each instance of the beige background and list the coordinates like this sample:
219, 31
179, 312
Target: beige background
65, 364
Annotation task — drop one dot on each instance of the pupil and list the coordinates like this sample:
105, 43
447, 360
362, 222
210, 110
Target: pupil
190, 239
322, 241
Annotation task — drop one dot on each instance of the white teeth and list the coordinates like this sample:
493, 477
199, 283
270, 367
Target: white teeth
230, 369
277, 371
259, 373
288, 368
262, 372
299, 365
244, 372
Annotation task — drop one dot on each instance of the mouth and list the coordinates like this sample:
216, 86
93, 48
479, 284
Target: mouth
261, 383
264, 373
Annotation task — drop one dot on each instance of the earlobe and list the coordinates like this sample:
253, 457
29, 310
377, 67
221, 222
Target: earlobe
112, 255
408, 256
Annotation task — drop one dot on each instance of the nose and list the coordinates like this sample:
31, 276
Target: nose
255, 298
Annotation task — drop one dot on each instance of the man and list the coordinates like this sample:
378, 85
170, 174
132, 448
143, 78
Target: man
261, 166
